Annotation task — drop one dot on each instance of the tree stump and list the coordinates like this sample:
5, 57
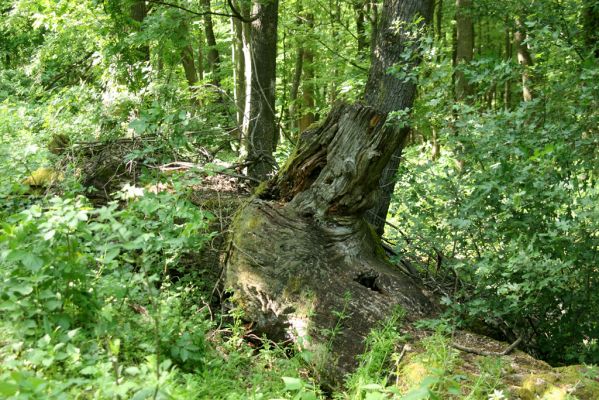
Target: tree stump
303, 262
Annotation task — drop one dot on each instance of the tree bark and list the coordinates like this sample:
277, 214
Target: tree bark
464, 47
262, 134
361, 28
439, 19
238, 61
303, 262
507, 88
524, 59
188, 62
213, 57
295, 86
387, 93
139, 12
590, 21
308, 103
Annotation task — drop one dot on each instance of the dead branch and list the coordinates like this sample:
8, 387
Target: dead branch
505, 352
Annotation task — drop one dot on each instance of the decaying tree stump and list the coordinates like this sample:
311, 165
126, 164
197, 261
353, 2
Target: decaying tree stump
303, 262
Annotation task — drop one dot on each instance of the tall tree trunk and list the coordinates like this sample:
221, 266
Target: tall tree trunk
507, 88
590, 21
213, 57
524, 59
295, 85
439, 19
301, 251
262, 135
464, 47
384, 91
373, 14
361, 28
188, 62
245, 9
297, 73
139, 12
308, 102
238, 61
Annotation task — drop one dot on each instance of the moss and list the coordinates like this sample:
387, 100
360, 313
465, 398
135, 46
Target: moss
247, 222
295, 285
560, 383
43, 177
412, 375
261, 189
378, 243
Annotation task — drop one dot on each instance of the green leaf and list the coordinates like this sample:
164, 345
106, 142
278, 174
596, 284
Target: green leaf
23, 289
8, 389
138, 125
372, 386
144, 394
111, 254
292, 384
90, 370
420, 393
132, 371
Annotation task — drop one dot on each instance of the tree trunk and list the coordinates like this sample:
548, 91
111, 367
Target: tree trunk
191, 74
387, 93
262, 134
139, 12
507, 89
213, 57
188, 61
303, 262
439, 19
590, 21
361, 28
238, 61
245, 9
464, 47
200, 58
524, 59
297, 74
308, 103
295, 85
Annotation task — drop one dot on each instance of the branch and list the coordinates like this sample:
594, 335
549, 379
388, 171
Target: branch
237, 14
197, 13
181, 165
505, 352
342, 57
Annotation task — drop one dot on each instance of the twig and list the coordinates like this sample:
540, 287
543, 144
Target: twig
204, 13
505, 352
180, 165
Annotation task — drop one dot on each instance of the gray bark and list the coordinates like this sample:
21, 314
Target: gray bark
524, 59
361, 28
213, 57
507, 89
238, 60
308, 103
387, 93
191, 74
262, 134
464, 47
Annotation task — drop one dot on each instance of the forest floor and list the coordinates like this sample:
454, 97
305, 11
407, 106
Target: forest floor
213, 352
